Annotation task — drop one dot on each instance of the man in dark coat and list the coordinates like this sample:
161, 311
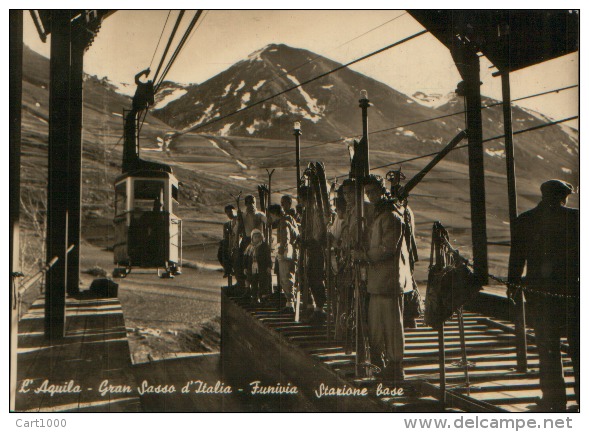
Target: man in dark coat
546, 241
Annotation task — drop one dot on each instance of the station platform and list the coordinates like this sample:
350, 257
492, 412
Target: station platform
262, 343
93, 356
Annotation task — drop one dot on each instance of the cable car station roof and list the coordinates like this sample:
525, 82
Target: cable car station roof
510, 39
88, 20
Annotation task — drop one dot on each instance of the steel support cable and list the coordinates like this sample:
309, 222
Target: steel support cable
407, 39
179, 48
171, 62
421, 121
337, 47
160, 39
533, 128
199, 24
530, 129
319, 56
170, 39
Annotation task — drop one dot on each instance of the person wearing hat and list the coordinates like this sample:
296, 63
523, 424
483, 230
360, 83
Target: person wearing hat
389, 277
546, 241
258, 264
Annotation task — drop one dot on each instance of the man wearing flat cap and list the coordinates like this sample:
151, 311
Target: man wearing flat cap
546, 241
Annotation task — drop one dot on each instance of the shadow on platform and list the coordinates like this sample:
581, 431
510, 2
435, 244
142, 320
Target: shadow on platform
72, 374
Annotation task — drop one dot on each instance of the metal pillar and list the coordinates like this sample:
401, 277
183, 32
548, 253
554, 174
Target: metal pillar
365, 104
468, 65
362, 169
75, 163
15, 82
521, 343
57, 184
297, 134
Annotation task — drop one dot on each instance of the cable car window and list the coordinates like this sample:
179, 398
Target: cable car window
175, 199
146, 194
120, 198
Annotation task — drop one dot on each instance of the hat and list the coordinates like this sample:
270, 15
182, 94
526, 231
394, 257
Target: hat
556, 188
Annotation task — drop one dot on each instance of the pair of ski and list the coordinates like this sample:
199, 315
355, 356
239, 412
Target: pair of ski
314, 177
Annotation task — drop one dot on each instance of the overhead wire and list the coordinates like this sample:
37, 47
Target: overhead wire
337, 47
311, 60
170, 39
259, 102
160, 39
175, 54
420, 121
198, 25
334, 141
179, 47
530, 129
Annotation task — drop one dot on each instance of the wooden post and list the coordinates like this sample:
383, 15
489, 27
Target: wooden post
442, 363
469, 68
15, 83
520, 311
57, 185
75, 162
465, 363
328, 277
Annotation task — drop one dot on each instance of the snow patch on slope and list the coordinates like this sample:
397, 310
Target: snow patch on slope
496, 153
224, 131
219, 148
239, 87
257, 55
227, 89
314, 107
204, 117
276, 111
257, 125
259, 84
245, 99
432, 100
170, 97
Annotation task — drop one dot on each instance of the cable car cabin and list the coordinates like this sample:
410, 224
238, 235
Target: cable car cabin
148, 233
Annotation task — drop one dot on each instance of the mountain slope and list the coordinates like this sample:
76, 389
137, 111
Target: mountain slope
328, 110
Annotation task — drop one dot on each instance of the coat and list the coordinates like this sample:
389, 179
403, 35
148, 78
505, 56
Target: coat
263, 259
546, 239
286, 236
389, 269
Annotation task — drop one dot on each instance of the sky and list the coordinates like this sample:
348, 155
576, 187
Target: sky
127, 43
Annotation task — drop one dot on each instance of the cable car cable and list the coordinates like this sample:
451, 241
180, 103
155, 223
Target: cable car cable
558, 90
407, 39
160, 39
171, 61
199, 24
179, 47
170, 39
285, 73
420, 121
530, 129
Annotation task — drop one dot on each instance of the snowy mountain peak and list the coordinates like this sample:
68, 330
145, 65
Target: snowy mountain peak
433, 100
